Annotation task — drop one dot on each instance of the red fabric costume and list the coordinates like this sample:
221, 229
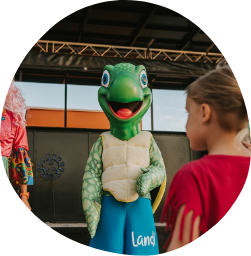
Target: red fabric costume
208, 187
13, 138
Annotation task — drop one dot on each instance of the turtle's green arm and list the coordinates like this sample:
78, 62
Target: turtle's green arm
153, 175
92, 187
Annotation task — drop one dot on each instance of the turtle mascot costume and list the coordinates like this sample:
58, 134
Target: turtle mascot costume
124, 165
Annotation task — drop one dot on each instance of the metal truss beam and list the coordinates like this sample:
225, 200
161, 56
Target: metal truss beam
126, 51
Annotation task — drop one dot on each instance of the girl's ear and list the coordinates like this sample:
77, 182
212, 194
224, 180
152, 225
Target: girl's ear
205, 113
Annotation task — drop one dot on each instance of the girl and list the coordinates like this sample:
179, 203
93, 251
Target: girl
204, 190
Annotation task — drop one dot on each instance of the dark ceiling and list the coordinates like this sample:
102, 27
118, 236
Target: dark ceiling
225, 27
198, 26
131, 23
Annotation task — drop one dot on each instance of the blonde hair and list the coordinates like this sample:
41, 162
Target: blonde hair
219, 89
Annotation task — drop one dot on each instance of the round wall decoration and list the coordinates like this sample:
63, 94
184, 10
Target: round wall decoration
50, 166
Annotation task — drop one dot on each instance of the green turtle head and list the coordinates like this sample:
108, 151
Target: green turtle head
124, 96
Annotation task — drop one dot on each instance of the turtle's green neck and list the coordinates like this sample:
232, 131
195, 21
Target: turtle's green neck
124, 131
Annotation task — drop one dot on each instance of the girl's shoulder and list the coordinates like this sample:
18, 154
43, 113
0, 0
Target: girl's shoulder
209, 163
193, 166
188, 171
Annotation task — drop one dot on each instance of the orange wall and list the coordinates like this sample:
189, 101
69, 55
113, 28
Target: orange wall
45, 118
86, 119
75, 118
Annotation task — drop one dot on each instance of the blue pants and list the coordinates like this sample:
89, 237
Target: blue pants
126, 227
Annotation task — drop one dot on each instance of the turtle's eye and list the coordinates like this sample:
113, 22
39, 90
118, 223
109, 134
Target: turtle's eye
105, 80
143, 79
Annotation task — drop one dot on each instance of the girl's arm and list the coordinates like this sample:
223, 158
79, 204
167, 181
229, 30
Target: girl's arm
175, 242
23, 188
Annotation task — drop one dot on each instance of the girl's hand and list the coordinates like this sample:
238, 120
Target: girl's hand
247, 145
25, 201
191, 229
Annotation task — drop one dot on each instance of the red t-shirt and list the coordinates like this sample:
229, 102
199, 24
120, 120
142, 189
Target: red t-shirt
208, 186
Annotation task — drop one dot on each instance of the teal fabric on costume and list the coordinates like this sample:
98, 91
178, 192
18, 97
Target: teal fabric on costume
5, 163
126, 227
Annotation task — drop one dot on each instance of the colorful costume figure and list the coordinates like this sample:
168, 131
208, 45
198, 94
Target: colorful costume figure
124, 165
13, 138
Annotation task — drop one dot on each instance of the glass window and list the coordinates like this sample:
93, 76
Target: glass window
169, 112
43, 95
83, 109
146, 121
82, 97
46, 103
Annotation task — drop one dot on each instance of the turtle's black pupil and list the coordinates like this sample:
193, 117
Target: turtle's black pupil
104, 79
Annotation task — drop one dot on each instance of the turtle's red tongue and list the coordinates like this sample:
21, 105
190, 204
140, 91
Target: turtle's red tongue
124, 113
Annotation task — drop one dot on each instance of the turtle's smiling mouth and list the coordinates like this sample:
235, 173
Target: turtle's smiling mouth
124, 110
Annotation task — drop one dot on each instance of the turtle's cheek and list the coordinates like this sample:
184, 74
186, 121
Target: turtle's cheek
102, 95
103, 92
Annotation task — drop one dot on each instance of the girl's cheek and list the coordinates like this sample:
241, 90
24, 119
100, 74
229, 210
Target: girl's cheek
187, 125
188, 132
